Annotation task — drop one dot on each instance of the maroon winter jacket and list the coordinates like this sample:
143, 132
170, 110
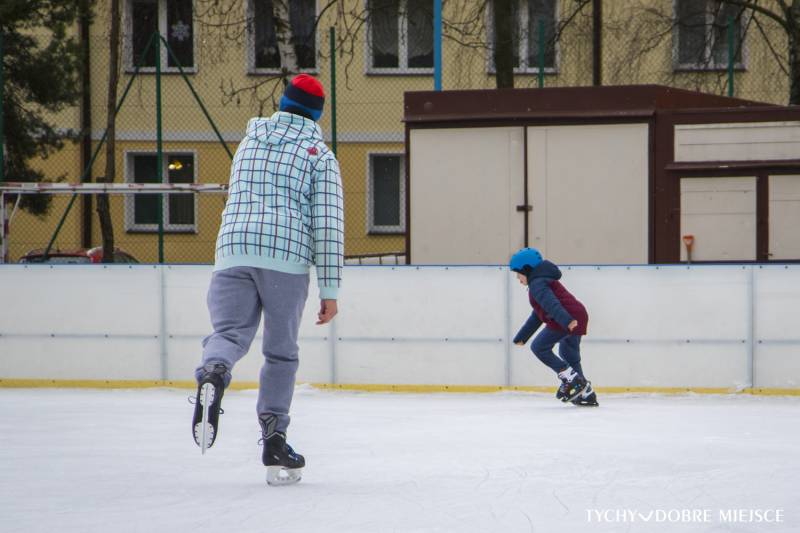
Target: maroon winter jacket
552, 302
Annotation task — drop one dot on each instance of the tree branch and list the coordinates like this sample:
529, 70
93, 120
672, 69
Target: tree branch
755, 7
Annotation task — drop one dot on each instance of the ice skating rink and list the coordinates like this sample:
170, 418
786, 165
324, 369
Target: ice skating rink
123, 461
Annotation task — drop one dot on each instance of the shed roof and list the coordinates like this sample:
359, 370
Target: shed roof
559, 102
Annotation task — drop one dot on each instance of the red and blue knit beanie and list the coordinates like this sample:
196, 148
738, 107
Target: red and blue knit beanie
304, 96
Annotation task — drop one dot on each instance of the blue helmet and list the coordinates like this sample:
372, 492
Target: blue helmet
527, 257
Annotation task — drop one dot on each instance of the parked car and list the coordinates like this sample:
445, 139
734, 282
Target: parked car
75, 257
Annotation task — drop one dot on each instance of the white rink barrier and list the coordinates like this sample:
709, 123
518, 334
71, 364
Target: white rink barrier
709, 326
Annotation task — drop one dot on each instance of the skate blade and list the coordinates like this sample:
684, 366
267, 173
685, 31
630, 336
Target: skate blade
280, 475
200, 440
207, 394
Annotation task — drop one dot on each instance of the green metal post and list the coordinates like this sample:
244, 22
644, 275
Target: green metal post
731, 55
2, 131
333, 88
541, 52
159, 153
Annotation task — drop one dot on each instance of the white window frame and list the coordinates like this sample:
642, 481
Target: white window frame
250, 44
402, 48
708, 53
130, 211
127, 20
372, 228
524, 67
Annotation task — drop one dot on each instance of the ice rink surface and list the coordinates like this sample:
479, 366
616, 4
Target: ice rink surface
124, 460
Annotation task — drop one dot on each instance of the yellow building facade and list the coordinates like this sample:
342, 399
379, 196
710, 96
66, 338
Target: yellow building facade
383, 48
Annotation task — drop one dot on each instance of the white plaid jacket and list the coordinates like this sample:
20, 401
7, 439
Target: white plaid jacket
284, 210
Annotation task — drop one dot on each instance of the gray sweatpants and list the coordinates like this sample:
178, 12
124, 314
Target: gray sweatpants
236, 298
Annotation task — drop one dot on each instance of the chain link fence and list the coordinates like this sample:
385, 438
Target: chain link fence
220, 63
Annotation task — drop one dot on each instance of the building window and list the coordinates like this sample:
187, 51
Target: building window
263, 53
701, 34
173, 19
386, 193
534, 25
400, 36
179, 209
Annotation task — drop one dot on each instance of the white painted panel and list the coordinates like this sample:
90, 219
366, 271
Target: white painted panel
656, 303
422, 302
115, 358
185, 301
754, 141
784, 217
188, 323
423, 363
185, 354
721, 215
777, 295
652, 325
79, 299
778, 366
666, 365
589, 186
649, 326
465, 186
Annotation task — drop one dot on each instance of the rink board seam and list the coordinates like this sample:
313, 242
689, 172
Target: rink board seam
366, 387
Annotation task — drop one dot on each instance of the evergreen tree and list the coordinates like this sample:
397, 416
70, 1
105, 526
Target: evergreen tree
42, 76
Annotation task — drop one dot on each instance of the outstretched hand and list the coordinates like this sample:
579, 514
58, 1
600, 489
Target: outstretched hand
327, 310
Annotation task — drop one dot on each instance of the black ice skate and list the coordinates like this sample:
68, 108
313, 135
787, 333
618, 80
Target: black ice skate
205, 422
587, 398
572, 385
562, 392
284, 465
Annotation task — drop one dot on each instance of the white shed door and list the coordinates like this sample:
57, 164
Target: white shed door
784, 217
721, 215
588, 188
465, 185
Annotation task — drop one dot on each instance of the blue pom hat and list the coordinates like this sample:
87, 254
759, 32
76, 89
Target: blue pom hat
304, 96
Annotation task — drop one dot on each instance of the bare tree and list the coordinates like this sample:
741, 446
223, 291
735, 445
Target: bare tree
470, 24
786, 13
231, 22
503, 54
646, 31
283, 34
103, 207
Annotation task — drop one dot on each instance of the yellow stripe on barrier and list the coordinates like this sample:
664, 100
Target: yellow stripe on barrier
366, 387
108, 384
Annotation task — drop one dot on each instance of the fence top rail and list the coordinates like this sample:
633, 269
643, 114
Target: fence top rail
110, 188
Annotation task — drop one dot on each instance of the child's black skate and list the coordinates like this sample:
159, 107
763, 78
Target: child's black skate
587, 398
284, 465
572, 385
205, 422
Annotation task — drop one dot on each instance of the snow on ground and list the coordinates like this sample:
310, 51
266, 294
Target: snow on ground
124, 461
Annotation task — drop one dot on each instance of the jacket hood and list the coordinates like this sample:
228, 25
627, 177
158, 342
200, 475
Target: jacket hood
283, 128
545, 269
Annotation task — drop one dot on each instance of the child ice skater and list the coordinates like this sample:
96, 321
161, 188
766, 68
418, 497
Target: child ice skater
565, 320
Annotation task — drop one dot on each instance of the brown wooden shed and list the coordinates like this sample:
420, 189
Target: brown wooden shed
600, 175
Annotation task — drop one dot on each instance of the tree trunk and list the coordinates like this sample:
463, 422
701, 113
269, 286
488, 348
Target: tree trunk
283, 34
103, 207
794, 53
597, 42
86, 118
503, 44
